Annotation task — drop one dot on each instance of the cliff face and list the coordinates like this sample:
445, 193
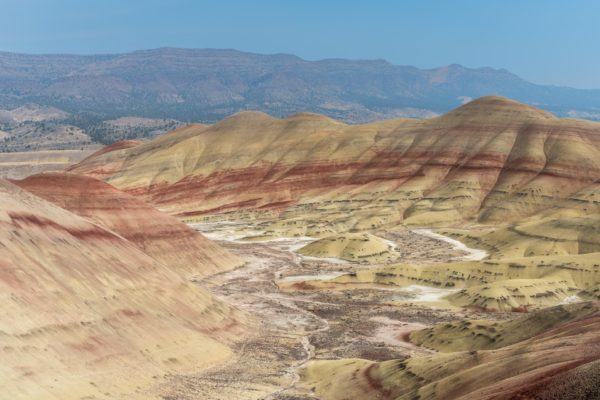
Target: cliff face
86, 312
490, 160
160, 236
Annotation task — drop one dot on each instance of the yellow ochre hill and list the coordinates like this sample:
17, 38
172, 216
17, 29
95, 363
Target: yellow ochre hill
494, 173
352, 247
88, 311
555, 360
491, 160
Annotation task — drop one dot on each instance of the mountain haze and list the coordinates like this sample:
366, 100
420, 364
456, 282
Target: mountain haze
209, 84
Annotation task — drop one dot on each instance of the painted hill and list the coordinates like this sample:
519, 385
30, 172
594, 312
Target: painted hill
488, 161
87, 314
570, 226
527, 179
209, 84
352, 247
467, 335
558, 360
160, 236
106, 161
493, 284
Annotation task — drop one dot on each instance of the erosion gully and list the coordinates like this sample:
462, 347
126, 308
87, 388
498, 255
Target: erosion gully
293, 328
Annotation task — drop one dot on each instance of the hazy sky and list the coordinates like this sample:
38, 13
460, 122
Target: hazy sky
544, 41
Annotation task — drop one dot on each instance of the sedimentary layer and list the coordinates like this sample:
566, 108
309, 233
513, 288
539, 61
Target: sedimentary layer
491, 160
561, 359
87, 314
160, 236
359, 247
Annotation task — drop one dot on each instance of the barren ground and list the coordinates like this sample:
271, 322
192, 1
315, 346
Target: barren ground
292, 328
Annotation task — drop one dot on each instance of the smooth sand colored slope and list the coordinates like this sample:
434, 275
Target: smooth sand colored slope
492, 285
352, 247
106, 161
160, 236
492, 160
86, 314
538, 365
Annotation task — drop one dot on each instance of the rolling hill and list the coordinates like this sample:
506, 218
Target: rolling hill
351, 247
90, 306
160, 236
557, 361
84, 252
494, 173
492, 160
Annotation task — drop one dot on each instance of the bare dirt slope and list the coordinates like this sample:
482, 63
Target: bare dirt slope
161, 236
492, 160
87, 314
561, 361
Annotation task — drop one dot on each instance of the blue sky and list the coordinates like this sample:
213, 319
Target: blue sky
544, 41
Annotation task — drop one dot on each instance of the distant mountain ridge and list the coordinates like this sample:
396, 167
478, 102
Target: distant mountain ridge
208, 84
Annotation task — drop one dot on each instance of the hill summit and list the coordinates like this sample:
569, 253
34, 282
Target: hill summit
492, 159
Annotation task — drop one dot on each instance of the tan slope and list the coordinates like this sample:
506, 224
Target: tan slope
86, 314
110, 160
18, 165
549, 236
490, 160
159, 235
351, 247
570, 226
504, 284
105, 162
538, 367
468, 335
